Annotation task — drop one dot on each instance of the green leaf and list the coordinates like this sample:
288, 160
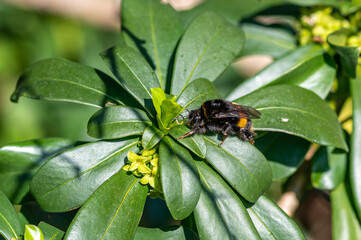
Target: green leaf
155, 28
197, 92
179, 178
355, 154
117, 206
195, 143
328, 168
308, 67
117, 122
32, 232
10, 225
271, 222
241, 165
50, 232
202, 52
266, 40
61, 80
297, 111
165, 233
349, 55
220, 214
133, 72
151, 136
67, 180
170, 109
19, 162
344, 220
158, 96
284, 152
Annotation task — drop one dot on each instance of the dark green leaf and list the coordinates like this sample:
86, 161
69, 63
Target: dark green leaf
117, 122
10, 225
241, 164
151, 136
271, 222
197, 92
355, 155
308, 67
202, 52
50, 232
112, 212
297, 111
67, 180
165, 233
33, 232
133, 72
267, 40
195, 143
62, 80
334, 3
20, 161
328, 168
344, 220
284, 152
220, 214
349, 55
155, 28
179, 177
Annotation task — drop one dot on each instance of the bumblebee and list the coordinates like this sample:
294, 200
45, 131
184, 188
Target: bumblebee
221, 116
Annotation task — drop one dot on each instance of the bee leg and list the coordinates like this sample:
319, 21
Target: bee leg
225, 133
187, 134
224, 139
247, 137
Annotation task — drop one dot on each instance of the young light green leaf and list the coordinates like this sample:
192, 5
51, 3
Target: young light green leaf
33, 232
50, 232
165, 233
241, 165
133, 72
67, 180
20, 161
202, 52
284, 152
61, 80
328, 168
10, 225
220, 204
117, 204
179, 178
158, 96
151, 136
170, 109
155, 29
308, 67
117, 122
272, 223
297, 111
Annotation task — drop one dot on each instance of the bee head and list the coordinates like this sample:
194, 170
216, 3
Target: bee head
194, 117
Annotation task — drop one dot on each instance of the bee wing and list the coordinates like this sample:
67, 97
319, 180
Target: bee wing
249, 112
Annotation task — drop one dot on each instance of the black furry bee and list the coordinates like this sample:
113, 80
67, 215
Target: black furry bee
224, 117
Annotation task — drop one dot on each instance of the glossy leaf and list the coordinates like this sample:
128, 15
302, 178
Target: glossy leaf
284, 152
117, 206
220, 214
10, 225
117, 122
20, 161
158, 96
328, 168
308, 67
179, 178
50, 232
155, 28
355, 155
349, 55
133, 72
202, 52
195, 143
67, 180
297, 111
241, 165
165, 233
271, 222
61, 80
197, 92
33, 232
266, 40
344, 220
170, 110
151, 136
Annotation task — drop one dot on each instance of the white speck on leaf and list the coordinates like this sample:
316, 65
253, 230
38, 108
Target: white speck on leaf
284, 119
